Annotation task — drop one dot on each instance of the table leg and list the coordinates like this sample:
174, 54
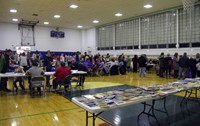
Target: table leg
184, 98
144, 108
87, 118
153, 114
152, 109
166, 110
190, 92
94, 116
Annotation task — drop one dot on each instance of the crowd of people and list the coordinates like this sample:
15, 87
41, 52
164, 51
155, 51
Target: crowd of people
177, 66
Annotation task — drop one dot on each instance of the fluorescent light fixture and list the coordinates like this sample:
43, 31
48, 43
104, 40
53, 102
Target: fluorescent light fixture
148, 6
79, 26
13, 11
15, 19
46, 23
56, 16
73, 6
95, 21
118, 14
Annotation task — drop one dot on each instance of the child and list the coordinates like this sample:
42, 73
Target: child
19, 79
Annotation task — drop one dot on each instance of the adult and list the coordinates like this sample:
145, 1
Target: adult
183, 67
48, 64
4, 67
23, 61
169, 65
128, 63
34, 58
175, 64
193, 68
34, 71
3, 81
198, 69
80, 67
62, 58
198, 64
142, 65
77, 57
162, 64
121, 58
61, 73
107, 58
135, 63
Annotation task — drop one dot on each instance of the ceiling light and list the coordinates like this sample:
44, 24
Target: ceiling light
79, 26
148, 6
46, 23
13, 11
56, 16
15, 19
118, 14
95, 21
73, 6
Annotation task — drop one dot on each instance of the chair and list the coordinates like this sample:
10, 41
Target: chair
66, 83
114, 70
37, 82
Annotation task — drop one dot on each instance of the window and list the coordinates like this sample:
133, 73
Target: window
155, 31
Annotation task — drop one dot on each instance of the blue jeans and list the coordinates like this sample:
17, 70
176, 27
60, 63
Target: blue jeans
183, 73
142, 71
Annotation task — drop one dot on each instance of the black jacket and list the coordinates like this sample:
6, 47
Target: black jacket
142, 61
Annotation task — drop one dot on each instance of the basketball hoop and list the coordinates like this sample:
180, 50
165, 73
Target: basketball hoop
188, 5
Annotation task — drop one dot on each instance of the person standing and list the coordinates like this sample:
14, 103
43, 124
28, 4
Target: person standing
23, 61
198, 69
162, 65
135, 63
169, 65
62, 58
193, 68
48, 64
198, 64
175, 65
142, 65
128, 63
5, 64
77, 57
3, 84
183, 67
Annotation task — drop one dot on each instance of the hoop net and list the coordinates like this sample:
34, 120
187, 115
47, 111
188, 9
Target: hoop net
188, 5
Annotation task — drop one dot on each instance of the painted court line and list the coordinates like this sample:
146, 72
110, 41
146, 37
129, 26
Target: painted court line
29, 115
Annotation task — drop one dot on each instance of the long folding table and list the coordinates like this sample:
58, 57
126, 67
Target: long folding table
12, 75
160, 93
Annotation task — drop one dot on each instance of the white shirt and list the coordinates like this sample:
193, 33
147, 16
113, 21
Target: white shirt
23, 61
198, 66
62, 58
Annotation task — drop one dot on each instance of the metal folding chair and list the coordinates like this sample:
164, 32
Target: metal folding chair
37, 82
66, 83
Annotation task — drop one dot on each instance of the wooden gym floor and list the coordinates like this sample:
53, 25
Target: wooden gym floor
55, 110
